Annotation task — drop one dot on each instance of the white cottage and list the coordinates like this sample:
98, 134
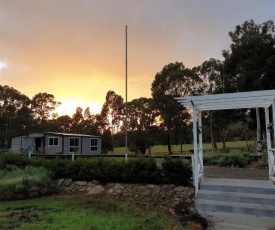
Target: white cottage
56, 143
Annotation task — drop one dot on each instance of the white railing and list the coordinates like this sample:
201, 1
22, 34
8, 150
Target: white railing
198, 172
200, 164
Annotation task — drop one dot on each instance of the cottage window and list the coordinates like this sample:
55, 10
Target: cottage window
74, 144
53, 141
94, 146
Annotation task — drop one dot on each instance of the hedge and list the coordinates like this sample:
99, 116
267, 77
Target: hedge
139, 170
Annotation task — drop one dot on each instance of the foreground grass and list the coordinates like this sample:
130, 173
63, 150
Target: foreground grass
74, 212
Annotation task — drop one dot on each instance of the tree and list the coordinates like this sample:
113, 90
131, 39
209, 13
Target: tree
63, 124
174, 80
142, 117
111, 113
77, 121
250, 62
15, 114
107, 144
42, 106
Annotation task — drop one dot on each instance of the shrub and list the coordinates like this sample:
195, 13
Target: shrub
176, 171
141, 170
28, 182
15, 159
263, 161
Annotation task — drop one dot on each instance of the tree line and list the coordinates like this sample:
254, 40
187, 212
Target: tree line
248, 65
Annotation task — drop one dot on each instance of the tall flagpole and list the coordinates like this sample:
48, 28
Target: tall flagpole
126, 108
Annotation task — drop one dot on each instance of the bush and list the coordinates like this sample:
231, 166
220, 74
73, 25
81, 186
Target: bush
15, 159
141, 170
176, 171
22, 183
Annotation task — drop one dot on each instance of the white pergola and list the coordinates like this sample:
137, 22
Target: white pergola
256, 99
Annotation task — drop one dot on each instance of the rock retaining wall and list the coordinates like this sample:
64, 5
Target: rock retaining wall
168, 195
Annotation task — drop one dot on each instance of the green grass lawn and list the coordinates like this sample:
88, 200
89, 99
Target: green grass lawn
160, 149
75, 212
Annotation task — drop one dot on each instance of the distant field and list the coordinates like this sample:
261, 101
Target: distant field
160, 149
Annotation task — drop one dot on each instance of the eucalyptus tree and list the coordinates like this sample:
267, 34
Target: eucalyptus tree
43, 104
142, 119
77, 121
111, 113
175, 80
15, 114
250, 62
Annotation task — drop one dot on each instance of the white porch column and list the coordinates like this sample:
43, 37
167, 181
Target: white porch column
268, 142
201, 172
195, 168
273, 116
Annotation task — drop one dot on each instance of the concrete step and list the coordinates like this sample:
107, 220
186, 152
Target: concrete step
233, 221
237, 189
248, 198
232, 207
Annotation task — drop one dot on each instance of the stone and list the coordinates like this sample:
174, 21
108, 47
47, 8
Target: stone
80, 183
172, 211
127, 193
180, 194
111, 190
96, 190
167, 187
82, 189
151, 186
88, 188
179, 188
117, 185
67, 182
60, 182
95, 182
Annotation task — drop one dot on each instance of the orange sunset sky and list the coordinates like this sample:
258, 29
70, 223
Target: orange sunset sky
75, 49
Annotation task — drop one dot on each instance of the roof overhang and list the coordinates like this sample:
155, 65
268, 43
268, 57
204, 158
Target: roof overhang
243, 100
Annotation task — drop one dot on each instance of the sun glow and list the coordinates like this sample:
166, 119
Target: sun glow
3, 65
68, 107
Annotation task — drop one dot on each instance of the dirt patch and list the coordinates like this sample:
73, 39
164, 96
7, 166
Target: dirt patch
252, 173
24, 216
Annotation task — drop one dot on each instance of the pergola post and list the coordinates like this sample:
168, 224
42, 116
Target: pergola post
273, 120
268, 141
200, 145
195, 165
271, 153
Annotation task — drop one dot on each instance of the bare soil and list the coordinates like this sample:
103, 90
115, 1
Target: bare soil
251, 173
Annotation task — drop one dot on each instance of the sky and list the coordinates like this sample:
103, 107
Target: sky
75, 49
